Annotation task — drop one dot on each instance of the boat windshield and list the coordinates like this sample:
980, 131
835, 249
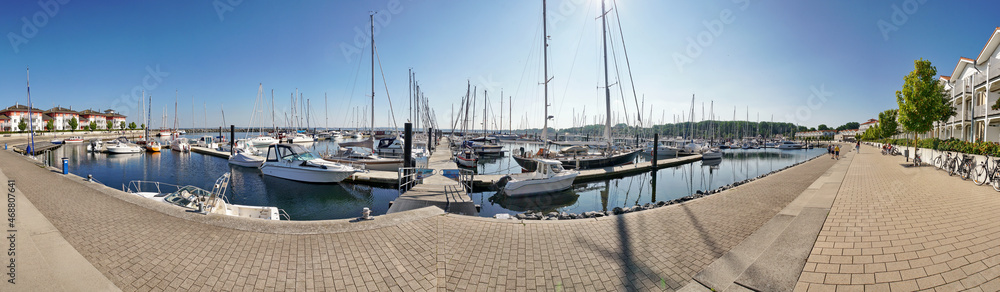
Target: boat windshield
557, 168
186, 195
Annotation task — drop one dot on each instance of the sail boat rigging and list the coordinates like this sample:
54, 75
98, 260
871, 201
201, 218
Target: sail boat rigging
608, 156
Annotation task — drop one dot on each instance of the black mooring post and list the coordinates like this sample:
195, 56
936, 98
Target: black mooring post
407, 151
656, 144
430, 139
232, 139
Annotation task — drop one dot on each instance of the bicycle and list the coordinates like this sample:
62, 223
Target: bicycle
937, 161
965, 166
985, 174
916, 159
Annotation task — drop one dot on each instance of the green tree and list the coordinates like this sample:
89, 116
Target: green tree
822, 127
50, 125
122, 126
143, 126
812, 129
887, 124
131, 126
922, 100
73, 123
109, 125
22, 125
849, 126
92, 126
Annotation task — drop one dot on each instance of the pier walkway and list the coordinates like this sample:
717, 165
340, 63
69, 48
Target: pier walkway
142, 245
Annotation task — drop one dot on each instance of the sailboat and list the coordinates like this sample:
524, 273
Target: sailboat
608, 156
370, 158
151, 144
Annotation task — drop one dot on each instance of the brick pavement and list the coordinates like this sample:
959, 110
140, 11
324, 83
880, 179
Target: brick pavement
139, 248
894, 228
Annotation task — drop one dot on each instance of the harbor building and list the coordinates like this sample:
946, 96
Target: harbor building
61, 117
972, 90
18, 113
87, 116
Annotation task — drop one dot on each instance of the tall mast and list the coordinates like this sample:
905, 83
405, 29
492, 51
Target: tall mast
326, 112
510, 116
371, 20
274, 127
485, 103
500, 127
607, 88
409, 76
175, 110
545, 70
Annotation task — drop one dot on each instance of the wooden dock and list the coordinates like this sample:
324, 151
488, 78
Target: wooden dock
436, 190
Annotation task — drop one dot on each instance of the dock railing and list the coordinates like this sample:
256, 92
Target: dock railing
408, 177
466, 177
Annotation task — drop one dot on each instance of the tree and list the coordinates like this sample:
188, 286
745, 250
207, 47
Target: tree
131, 126
143, 126
73, 123
812, 129
887, 125
50, 125
92, 126
109, 125
822, 127
922, 100
849, 126
122, 126
22, 125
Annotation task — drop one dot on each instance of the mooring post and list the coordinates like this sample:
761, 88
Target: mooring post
232, 139
656, 144
430, 139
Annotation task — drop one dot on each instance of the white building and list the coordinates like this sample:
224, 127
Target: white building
972, 89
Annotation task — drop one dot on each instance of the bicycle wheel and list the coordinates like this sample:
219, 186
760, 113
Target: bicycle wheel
937, 162
952, 167
980, 175
966, 171
996, 180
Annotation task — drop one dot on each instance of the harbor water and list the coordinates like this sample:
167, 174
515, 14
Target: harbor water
306, 201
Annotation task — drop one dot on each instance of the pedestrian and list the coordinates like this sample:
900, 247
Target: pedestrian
836, 152
829, 149
857, 148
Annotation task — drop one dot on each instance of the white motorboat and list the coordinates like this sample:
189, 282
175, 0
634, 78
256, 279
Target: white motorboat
391, 147
300, 138
96, 145
466, 158
263, 140
190, 197
711, 153
207, 142
152, 146
74, 139
662, 150
180, 144
122, 146
294, 162
369, 161
789, 145
244, 158
549, 176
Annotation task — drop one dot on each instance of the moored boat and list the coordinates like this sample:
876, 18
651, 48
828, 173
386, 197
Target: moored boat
294, 162
549, 176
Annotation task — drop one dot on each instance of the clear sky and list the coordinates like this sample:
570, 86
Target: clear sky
761, 57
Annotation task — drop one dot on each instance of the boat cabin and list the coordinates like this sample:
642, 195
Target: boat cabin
548, 166
288, 152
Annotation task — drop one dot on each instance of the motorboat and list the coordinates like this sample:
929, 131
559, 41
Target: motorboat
662, 150
152, 146
122, 146
466, 158
485, 145
180, 145
95, 145
207, 142
294, 162
391, 147
711, 154
263, 140
74, 139
300, 138
369, 161
190, 197
164, 134
789, 145
245, 158
549, 176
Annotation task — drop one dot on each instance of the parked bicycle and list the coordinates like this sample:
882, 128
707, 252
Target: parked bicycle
984, 173
965, 166
916, 159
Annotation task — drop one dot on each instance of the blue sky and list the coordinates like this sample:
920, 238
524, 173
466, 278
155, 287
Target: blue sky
760, 57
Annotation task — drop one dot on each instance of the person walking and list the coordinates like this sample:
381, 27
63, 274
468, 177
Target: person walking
857, 147
829, 149
836, 152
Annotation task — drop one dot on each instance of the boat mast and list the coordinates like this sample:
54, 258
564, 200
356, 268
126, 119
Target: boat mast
175, 110
500, 127
485, 103
545, 70
274, 127
607, 88
371, 20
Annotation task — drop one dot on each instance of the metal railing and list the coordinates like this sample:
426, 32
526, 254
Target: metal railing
466, 177
407, 177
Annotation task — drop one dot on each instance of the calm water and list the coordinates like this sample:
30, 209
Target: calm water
304, 201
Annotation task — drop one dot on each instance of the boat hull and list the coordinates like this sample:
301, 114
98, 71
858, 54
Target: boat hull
123, 150
539, 186
371, 164
312, 175
585, 163
244, 160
